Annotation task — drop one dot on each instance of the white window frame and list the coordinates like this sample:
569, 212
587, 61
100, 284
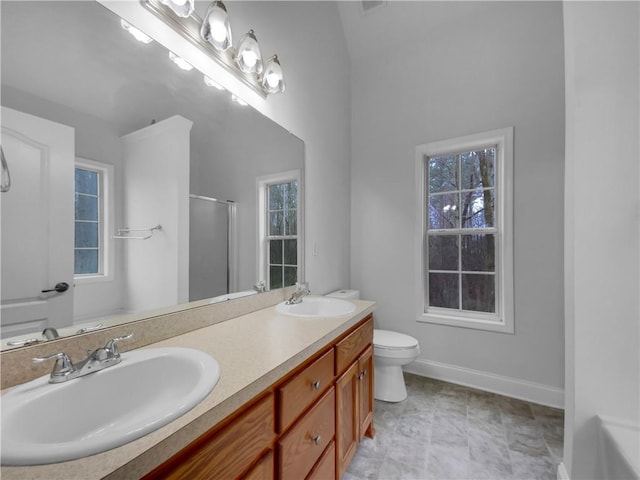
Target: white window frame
107, 208
503, 320
262, 184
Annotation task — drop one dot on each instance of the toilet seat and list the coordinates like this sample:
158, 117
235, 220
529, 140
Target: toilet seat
389, 340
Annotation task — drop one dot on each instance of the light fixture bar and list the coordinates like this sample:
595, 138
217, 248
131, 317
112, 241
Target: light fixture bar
189, 29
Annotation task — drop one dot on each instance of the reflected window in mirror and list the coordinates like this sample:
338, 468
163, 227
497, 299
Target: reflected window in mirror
279, 211
92, 187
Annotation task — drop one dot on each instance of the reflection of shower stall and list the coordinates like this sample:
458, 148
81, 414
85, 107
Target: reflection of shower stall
212, 264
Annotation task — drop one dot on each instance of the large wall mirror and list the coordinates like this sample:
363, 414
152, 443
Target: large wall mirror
136, 187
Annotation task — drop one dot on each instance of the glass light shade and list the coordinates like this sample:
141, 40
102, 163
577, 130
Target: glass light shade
182, 8
248, 56
272, 79
216, 28
137, 34
210, 82
180, 62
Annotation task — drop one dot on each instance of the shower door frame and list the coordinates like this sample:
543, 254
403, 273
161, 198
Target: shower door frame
232, 250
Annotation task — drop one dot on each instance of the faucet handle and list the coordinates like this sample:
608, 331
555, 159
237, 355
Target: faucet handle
62, 366
112, 345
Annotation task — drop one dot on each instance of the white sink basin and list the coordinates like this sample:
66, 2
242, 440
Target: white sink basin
48, 423
317, 307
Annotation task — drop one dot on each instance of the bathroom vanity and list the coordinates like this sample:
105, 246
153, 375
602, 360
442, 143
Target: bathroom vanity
294, 399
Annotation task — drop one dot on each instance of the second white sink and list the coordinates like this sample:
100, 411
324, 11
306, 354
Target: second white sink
312, 306
48, 423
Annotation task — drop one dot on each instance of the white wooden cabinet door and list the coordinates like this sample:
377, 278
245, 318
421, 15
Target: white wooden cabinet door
37, 223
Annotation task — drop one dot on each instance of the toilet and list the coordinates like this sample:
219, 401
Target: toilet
391, 351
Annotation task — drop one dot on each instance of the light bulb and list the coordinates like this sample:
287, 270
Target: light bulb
249, 58
218, 31
272, 80
182, 8
238, 100
180, 62
210, 82
137, 34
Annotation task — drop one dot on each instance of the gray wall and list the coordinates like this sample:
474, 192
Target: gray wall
310, 44
602, 228
226, 164
480, 72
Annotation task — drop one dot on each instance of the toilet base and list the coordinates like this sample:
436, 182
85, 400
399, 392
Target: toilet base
389, 383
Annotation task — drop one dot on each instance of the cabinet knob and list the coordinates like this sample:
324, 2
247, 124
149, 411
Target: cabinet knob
316, 439
316, 384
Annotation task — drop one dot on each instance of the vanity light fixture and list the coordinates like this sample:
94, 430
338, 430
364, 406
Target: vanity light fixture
272, 79
182, 8
248, 56
180, 62
212, 36
216, 28
210, 82
137, 34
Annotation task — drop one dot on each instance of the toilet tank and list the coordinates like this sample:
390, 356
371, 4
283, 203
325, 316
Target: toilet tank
345, 294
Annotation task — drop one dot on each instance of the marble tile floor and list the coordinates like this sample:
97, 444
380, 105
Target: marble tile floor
444, 431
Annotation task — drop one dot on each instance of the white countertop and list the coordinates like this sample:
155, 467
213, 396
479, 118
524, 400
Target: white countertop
254, 351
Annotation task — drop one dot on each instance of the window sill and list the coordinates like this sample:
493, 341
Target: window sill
87, 279
498, 326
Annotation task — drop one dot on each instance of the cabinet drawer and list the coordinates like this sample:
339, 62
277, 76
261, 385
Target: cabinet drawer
305, 388
227, 452
302, 446
348, 349
325, 469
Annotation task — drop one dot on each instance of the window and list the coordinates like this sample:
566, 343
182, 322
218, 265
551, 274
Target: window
91, 250
464, 228
280, 212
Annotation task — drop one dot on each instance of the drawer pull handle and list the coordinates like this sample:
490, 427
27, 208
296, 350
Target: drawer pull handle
317, 439
316, 384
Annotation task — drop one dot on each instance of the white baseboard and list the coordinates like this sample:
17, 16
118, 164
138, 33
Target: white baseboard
510, 387
562, 472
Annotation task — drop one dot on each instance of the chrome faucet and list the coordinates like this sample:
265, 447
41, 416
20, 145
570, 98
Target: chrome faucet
50, 333
260, 287
101, 358
296, 297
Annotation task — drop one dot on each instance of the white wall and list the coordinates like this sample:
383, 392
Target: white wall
156, 192
602, 230
308, 38
492, 69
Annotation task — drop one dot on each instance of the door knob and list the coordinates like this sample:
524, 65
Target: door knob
60, 288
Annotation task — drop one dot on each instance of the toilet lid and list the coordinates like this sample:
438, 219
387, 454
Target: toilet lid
391, 340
